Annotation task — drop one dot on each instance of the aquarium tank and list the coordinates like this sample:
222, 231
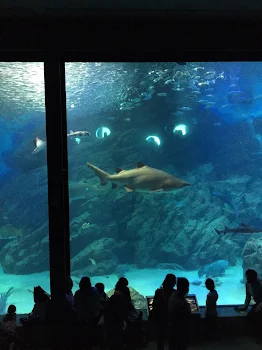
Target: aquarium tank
165, 176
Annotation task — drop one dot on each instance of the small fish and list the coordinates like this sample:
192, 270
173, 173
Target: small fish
147, 95
203, 101
242, 229
186, 109
39, 145
78, 133
198, 68
127, 119
111, 118
196, 92
217, 124
177, 113
162, 94
203, 83
178, 89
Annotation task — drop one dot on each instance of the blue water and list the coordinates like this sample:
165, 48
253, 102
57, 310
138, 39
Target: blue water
201, 123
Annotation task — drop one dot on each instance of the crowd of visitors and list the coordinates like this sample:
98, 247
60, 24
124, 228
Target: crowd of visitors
113, 322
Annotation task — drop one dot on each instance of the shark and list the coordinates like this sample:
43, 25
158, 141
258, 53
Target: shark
141, 179
241, 229
80, 190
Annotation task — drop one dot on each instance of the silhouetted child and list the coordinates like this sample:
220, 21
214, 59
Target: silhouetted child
8, 328
211, 305
102, 295
11, 314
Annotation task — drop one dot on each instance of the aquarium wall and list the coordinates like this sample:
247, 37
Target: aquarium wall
198, 122
24, 244
164, 176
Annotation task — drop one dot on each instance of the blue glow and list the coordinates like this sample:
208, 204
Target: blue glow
78, 140
102, 132
181, 128
154, 139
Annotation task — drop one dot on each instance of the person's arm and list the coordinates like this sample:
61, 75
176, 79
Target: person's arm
259, 305
247, 300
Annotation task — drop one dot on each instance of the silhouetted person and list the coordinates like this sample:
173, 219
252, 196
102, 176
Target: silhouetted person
160, 308
115, 315
253, 290
122, 287
179, 315
8, 329
69, 293
103, 298
211, 306
87, 302
11, 314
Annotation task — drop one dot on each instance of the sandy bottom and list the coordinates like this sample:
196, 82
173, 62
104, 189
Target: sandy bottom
145, 281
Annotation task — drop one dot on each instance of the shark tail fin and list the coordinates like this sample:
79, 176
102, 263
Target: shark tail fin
103, 175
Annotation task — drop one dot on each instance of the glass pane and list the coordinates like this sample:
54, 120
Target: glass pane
24, 249
196, 123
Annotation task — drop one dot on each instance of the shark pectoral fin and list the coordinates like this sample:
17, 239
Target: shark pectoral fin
140, 165
118, 170
114, 186
217, 231
128, 189
157, 190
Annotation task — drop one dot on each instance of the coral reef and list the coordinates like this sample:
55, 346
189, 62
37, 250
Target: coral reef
3, 300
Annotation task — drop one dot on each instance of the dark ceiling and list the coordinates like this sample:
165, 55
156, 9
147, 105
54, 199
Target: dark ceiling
27, 7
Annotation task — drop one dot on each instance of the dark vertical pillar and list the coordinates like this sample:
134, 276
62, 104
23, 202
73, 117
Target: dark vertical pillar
58, 205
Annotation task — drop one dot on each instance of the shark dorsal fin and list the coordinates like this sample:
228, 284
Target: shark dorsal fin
71, 132
140, 165
118, 170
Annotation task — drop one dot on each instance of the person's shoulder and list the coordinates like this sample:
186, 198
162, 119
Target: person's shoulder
158, 292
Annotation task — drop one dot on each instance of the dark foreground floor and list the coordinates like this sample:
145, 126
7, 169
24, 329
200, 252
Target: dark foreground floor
232, 343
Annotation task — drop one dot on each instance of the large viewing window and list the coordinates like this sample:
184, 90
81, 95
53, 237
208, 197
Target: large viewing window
24, 243
191, 134
200, 122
